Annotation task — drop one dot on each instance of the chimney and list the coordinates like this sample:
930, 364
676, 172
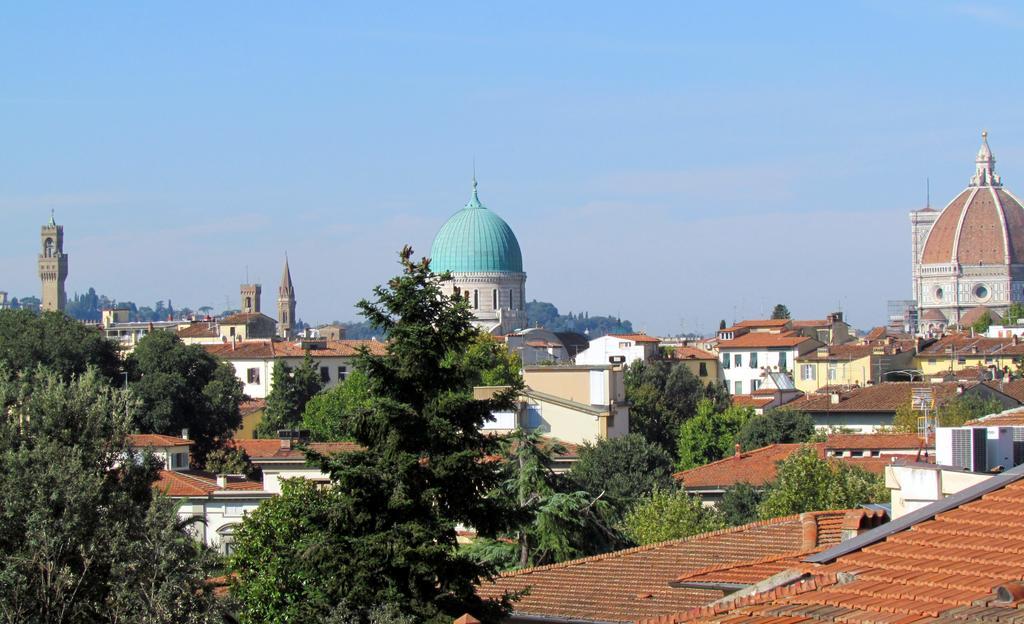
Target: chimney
222, 481
184, 434
1014, 340
286, 444
834, 397
736, 452
857, 521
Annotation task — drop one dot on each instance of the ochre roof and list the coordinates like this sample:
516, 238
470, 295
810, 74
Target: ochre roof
943, 568
199, 329
269, 349
873, 441
884, 397
764, 340
143, 440
271, 448
198, 483
634, 583
690, 353
241, 318
760, 466
965, 345
636, 337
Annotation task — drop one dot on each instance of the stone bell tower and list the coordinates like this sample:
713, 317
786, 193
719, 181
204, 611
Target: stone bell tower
53, 266
286, 304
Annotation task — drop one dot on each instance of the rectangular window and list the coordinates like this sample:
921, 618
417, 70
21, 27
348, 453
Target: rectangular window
807, 372
703, 369
725, 360
737, 359
753, 360
737, 387
233, 510
961, 360
342, 373
252, 375
783, 361
755, 384
325, 374
831, 372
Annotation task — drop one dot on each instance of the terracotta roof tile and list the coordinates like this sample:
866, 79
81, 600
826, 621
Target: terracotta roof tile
636, 337
252, 405
873, 441
143, 440
634, 583
942, 567
199, 329
964, 345
1009, 418
689, 353
755, 340
271, 448
269, 349
884, 397
749, 400
198, 483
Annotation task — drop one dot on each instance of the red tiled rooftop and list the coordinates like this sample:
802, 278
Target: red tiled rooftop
765, 340
872, 441
884, 397
689, 353
199, 329
271, 448
943, 567
965, 345
1009, 418
751, 401
634, 583
268, 349
636, 337
252, 405
143, 440
198, 483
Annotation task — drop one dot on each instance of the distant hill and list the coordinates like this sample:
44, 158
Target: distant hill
546, 315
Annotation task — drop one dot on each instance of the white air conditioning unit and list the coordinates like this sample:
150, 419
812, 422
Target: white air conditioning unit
978, 449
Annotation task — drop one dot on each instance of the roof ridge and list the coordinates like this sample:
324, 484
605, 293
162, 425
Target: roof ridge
745, 454
749, 562
646, 547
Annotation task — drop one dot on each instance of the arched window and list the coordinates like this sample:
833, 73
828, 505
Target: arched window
48, 248
494, 296
476, 299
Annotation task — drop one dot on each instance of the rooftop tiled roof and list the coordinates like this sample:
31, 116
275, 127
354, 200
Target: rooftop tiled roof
873, 441
1013, 388
752, 401
241, 318
252, 405
1009, 418
271, 448
634, 583
269, 349
199, 329
765, 340
973, 315
198, 483
964, 345
636, 337
758, 323
850, 351
690, 353
143, 440
876, 333
943, 565
884, 397
760, 466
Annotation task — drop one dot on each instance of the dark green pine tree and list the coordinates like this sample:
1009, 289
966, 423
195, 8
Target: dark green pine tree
291, 389
385, 533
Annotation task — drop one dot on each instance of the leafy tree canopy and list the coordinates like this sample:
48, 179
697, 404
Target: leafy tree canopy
386, 535
981, 325
56, 341
184, 387
291, 389
546, 315
1013, 314
709, 435
952, 413
663, 396
329, 415
778, 426
82, 538
806, 482
739, 504
622, 469
780, 312
667, 515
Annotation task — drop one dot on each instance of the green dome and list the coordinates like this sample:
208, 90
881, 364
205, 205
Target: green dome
475, 240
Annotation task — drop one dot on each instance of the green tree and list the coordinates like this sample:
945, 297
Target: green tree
494, 364
82, 537
981, 325
555, 519
387, 535
806, 482
56, 341
780, 312
739, 504
667, 515
184, 387
663, 396
778, 426
230, 460
709, 435
291, 389
329, 415
622, 469
1014, 314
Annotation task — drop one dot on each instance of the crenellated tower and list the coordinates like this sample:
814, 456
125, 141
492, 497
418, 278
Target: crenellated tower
53, 266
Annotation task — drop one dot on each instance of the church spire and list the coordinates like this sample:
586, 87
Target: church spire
474, 200
286, 304
985, 165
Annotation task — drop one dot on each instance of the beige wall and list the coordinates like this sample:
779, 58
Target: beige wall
562, 381
569, 425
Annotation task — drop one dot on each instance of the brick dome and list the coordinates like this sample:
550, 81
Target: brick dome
983, 225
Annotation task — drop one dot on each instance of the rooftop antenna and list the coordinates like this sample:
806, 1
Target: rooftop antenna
247, 274
927, 193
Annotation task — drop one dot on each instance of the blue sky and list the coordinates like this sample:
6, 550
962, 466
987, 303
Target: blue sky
671, 163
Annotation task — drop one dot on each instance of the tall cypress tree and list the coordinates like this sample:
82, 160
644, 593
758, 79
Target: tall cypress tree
385, 533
